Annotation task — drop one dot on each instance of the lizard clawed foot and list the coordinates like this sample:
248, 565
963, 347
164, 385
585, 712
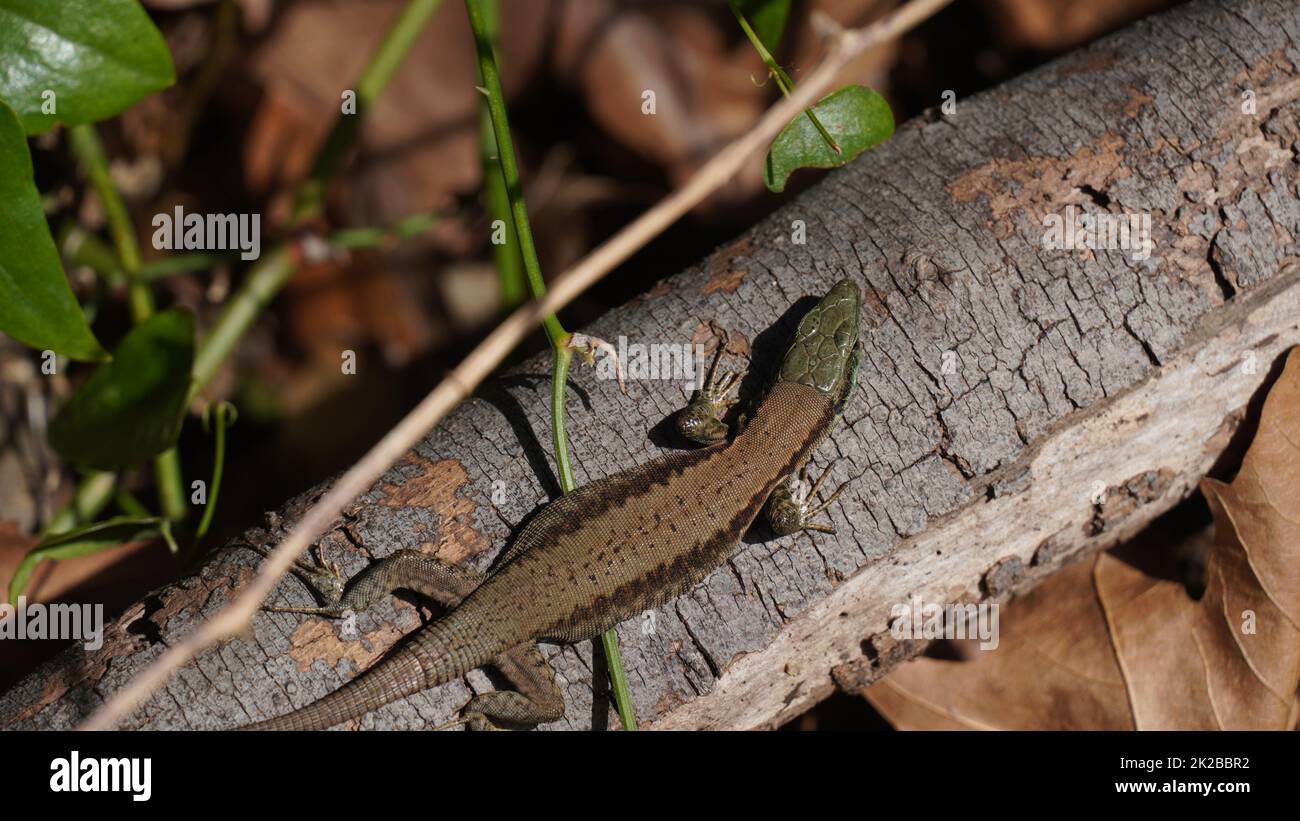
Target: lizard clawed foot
322, 576
789, 508
699, 421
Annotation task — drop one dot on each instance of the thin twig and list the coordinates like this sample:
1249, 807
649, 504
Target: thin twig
236, 616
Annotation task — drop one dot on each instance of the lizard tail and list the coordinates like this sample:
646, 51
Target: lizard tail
434, 657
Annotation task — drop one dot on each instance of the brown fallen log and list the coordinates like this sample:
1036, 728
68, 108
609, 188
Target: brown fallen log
1020, 403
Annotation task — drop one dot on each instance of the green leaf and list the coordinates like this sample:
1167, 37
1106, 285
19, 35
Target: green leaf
857, 117
96, 56
766, 17
83, 540
36, 305
130, 409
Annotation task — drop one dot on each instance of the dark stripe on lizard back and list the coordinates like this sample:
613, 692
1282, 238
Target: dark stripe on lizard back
670, 579
650, 533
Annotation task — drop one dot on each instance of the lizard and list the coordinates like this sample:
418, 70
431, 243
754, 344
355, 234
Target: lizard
609, 550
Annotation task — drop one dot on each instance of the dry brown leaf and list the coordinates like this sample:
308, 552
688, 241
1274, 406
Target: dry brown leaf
710, 85
1054, 25
1040, 677
419, 146
615, 53
1105, 645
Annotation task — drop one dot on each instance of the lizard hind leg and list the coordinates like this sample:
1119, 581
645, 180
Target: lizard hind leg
444, 583
790, 508
538, 698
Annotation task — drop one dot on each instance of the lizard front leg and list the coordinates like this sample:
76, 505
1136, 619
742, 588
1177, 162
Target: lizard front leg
700, 420
444, 583
538, 698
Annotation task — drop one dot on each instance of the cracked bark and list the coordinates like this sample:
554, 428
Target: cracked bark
1017, 407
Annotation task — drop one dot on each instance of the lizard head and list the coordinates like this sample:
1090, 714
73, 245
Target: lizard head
823, 353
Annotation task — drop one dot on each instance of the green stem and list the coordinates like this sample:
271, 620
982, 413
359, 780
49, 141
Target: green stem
375, 236
221, 420
348, 238
185, 263
171, 485
555, 333
259, 287
608, 639
92, 495
491, 77
130, 505
384, 62
88, 150
783, 80
618, 679
510, 272
80, 247
266, 278
559, 432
